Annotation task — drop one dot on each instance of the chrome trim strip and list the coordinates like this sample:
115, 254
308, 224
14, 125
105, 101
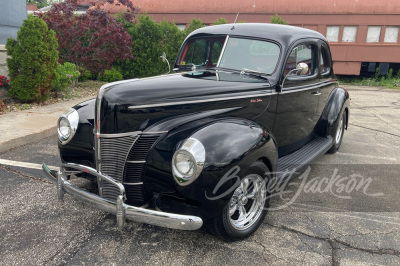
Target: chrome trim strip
133, 184
99, 98
223, 50
119, 135
155, 132
122, 210
129, 134
314, 86
200, 101
136, 161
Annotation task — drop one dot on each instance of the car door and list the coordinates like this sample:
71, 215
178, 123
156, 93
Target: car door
298, 99
327, 81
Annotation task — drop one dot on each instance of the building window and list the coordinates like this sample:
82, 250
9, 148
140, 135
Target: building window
182, 27
391, 34
374, 33
349, 33
332, 33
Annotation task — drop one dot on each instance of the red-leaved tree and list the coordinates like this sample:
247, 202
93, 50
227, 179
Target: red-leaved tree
93, 40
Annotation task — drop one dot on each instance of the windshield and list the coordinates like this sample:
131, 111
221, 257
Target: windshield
239, 54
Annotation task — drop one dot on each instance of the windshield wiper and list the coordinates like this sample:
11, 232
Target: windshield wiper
244, 71
250, 72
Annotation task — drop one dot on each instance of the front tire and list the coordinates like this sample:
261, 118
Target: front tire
246, 208
339, 132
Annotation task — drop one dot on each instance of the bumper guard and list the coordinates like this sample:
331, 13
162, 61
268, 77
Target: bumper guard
118, 207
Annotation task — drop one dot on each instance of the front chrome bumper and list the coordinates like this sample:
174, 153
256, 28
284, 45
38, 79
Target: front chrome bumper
118, 207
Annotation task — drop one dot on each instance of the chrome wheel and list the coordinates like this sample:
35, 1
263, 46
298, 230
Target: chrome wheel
247, 202
339, 131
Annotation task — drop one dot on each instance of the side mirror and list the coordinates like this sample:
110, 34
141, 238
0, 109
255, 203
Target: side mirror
301, 69
164, 59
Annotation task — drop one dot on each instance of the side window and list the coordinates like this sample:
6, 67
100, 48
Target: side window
325, 63
197, 53
303, 53
216, 52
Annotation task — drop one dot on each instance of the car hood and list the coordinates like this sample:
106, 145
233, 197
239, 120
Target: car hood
135, 105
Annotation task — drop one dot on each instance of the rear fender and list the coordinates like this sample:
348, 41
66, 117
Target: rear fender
338, 102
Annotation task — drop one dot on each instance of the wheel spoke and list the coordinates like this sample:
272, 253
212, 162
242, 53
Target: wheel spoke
242, 213
232, 209
245, 186
254, 191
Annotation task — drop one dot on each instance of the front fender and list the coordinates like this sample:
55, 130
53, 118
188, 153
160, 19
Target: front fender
80, 149
229, 143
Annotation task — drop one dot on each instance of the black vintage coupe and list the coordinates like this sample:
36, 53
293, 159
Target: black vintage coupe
200, 146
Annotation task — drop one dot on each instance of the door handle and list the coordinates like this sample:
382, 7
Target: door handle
316, 93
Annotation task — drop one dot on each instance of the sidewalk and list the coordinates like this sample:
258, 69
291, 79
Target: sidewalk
24, 127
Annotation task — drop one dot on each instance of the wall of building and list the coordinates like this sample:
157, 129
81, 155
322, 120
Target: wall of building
3, 63
12, 14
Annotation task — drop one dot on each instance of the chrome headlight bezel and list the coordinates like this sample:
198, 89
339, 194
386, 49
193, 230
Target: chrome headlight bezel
194, 150
71, 116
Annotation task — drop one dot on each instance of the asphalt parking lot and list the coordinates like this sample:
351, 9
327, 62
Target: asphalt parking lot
353, 221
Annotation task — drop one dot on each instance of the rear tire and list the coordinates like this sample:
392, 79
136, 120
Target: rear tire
339, 132
246, 209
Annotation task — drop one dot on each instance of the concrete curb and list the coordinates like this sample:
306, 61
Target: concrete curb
24, 140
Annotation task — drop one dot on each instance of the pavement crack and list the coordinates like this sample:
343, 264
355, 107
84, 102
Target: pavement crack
378, 251
265, 250
72, 246
377, 130
10, 170
335, 252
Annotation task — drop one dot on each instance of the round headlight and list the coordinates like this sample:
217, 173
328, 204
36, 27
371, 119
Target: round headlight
64, 128
188, 161
185, 163
67, 125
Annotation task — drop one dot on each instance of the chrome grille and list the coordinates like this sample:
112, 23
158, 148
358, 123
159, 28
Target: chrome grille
123, 158
113, 154
134, 169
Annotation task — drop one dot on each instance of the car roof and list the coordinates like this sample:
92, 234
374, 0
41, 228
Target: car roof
281, 33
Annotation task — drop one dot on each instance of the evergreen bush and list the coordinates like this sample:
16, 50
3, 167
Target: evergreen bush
110, 75
66, 75
32, 60
150, 39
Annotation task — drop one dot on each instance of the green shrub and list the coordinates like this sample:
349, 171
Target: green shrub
220, 21
278, 20
150, 39
32, 60
390, 73
66, 75
110, 75
194, 25
84, 75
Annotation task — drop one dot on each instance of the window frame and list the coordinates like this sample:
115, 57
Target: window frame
300, 78
229, 36
355, 37
398, 34
338, 35
327, 57
380, 33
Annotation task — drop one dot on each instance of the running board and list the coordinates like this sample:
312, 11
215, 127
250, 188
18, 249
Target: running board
297, 161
